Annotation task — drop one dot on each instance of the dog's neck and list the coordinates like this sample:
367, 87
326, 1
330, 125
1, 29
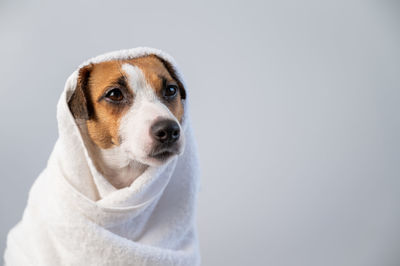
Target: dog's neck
112, 163
114, 166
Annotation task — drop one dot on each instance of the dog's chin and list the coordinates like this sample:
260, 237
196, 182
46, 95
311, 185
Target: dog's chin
158, 159
160, 155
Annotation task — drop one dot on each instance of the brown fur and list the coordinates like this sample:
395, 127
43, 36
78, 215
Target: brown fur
78, 102
103, 118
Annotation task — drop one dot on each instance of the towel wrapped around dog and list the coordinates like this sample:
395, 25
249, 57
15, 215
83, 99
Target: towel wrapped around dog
74, 216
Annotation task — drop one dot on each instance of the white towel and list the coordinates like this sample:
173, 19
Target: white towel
74, 216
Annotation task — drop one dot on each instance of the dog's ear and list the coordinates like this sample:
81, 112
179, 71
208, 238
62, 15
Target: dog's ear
173, 74
79, 103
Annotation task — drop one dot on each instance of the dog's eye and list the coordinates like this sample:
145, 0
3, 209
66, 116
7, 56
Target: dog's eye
115, 95
170, 91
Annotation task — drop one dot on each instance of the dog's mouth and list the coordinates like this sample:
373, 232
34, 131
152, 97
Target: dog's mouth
164, 152
162, 156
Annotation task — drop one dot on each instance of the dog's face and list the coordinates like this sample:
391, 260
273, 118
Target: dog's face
133, 107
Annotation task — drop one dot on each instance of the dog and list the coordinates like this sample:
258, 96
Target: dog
129, 113
120, 186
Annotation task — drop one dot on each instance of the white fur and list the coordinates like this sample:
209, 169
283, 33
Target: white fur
135, 125
124, 163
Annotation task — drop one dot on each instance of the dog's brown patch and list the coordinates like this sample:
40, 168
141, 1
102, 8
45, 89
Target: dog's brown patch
102, 117
78, 102
159, 73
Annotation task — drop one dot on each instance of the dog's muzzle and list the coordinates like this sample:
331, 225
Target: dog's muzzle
165, 134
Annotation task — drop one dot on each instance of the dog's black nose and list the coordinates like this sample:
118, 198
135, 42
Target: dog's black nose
165, 131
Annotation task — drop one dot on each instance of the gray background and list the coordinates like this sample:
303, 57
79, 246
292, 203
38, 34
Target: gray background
295, 108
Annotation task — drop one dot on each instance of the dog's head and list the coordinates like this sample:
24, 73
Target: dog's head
134, 106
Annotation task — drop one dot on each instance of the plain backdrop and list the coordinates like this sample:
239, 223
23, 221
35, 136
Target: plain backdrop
295, 106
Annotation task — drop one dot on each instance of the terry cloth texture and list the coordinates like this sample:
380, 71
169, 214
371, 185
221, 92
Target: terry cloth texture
74, 216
